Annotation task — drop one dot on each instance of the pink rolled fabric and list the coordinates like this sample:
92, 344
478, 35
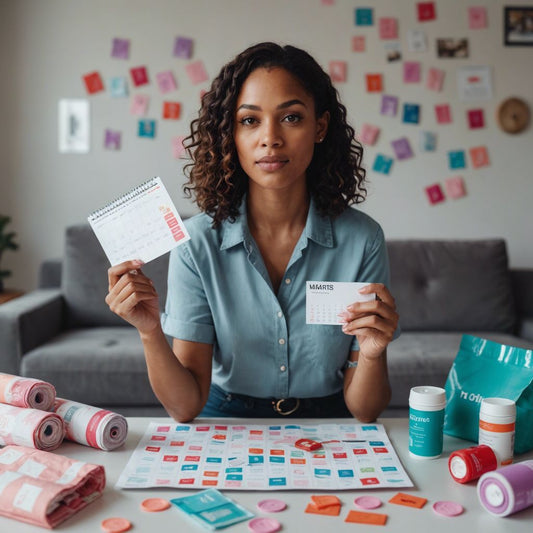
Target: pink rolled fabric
30, 427
43, 488
26, 392
92, 426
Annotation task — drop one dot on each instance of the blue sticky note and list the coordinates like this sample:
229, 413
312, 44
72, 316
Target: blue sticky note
213, 459
389, 469
118, 87
322, 472
147, 128
277, 459
182, 428
382, 164
456, 159
256, 459
189, 467
369, 428
277, 481
346, 473
411, 113
428, 141
364, 16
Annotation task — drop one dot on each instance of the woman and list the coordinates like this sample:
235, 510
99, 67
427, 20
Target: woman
275, 169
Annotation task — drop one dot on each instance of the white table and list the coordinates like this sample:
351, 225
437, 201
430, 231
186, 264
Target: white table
430, 477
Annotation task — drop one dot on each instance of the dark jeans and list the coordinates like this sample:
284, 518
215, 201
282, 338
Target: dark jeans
228, 404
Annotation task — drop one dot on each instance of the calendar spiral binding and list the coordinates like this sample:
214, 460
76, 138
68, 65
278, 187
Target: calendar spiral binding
122, 199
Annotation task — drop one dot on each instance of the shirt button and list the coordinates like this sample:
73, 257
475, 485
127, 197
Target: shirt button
282, 341
283, 368
287, 281
280, 314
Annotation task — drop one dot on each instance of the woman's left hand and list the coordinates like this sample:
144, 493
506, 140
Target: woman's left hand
373, 322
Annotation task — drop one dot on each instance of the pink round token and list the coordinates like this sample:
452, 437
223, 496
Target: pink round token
271, 506
264, 525
448, 508
367, 502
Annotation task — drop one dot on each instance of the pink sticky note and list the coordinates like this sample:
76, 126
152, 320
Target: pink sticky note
196, 72
435, 79
358, 43
369, 134
411, 72
177, 146
455, 187
337, 71
435, 194
443, 113
166, 81
139, 76
139, 104
112, 139
183, 47
120, 48
402, 148
476, 118
388, 28
479, 156
477, 17
426, 11
389, 105
374, 83
93, 82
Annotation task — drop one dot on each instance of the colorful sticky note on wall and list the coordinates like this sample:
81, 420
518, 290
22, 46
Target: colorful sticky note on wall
435, 79
112, 139
118, 87
139, 76
382, 164
146, 128
479, 156
196, 72
476, 118
93, 82
435, 195
120, 48
477, 17
171, 110
369, 134
455, 187
411, 113
456, 159
402, 148
166, 81
177, 146
374, 83
183, 47
364, 16
428, 141
411, 72
443, 113
426, 11
388, 28
337, 71
139, 104
358, 43
417, 41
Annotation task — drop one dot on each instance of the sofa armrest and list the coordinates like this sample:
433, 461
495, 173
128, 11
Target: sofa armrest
26, 323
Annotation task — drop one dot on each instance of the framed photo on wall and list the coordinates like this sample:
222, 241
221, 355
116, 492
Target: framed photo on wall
518, 25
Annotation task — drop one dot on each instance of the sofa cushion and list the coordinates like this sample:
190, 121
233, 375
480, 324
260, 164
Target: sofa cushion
84, 279
448, 285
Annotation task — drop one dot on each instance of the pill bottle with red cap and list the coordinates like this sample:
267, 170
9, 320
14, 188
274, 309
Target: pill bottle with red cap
471, 463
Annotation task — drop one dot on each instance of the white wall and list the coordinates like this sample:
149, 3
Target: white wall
47, 45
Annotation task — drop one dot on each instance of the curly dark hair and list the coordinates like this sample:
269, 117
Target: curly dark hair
335, 177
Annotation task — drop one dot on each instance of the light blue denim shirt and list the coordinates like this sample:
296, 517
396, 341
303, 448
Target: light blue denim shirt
219, 292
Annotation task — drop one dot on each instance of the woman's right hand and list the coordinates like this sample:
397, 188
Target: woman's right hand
132, 296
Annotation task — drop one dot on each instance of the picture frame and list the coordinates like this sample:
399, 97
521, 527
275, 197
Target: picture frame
518, 25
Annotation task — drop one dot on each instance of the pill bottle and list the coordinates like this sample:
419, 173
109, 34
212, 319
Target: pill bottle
497, 418
426, 421
507, 490
471, 463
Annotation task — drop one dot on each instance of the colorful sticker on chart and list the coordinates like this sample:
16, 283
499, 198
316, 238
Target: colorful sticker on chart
435, 79
364, 16
389, 105
411, 72
139, 76
171, 110
455, 187
456, 159
337, 71
374, 83
382, 164
112, 139
426, 11
417, 41
369, 134
411, 113
166, 81
358, 43
402, 148
443, 113
388, 28
479, 156
183, 47
139, 104
146, 128
476, 118
120, 48
196, 72
428, 141
118, 87
93, 82
435, 194
477, 18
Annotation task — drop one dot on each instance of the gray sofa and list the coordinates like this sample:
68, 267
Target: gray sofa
65, 334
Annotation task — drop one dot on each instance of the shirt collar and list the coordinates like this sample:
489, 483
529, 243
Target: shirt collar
317, 228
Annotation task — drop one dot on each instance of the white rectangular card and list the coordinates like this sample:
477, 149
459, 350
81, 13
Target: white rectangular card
325, 300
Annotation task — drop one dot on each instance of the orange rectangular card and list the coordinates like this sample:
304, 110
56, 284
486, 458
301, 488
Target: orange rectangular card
332, 510
360, 517
408, 500
321, 502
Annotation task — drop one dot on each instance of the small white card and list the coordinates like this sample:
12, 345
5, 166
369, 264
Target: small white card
325, 300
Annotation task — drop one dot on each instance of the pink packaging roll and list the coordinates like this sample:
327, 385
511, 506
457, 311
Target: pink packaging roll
92, 426
26, 392
30, 427
44, 488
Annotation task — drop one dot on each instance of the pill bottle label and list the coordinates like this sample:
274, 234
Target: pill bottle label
425, 433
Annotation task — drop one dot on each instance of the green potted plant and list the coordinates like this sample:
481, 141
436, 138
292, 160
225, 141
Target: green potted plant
7, 242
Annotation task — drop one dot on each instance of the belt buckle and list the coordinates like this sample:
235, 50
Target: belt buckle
277, 404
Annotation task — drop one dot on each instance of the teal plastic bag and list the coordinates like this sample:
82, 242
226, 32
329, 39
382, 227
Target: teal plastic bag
487, 369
